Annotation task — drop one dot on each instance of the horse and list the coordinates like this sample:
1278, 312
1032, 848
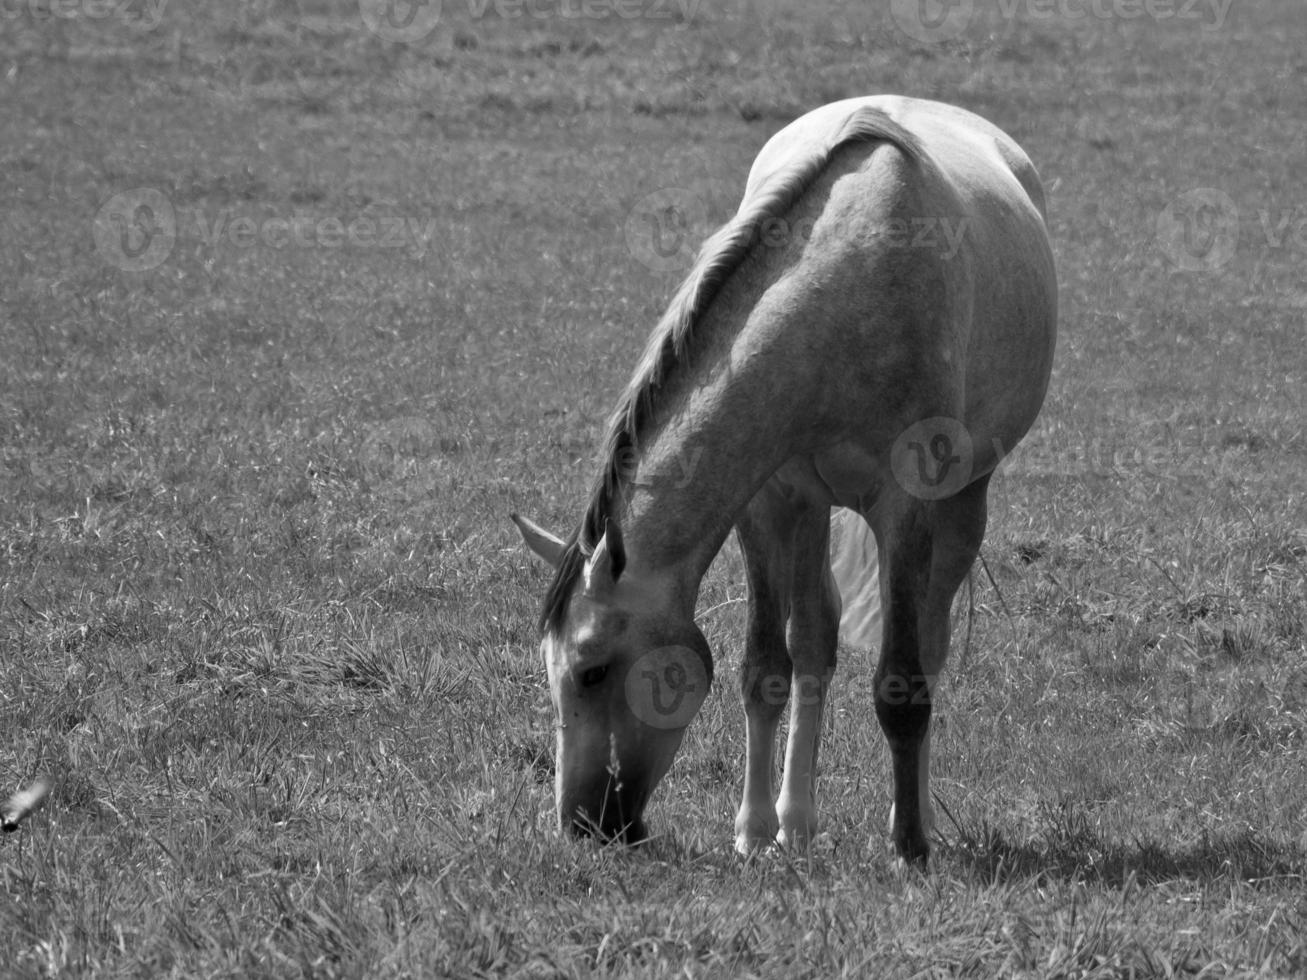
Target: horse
872, 330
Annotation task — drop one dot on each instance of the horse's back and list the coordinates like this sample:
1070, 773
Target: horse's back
931, 268
971, 152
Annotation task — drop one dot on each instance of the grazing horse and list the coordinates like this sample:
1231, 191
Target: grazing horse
874, 330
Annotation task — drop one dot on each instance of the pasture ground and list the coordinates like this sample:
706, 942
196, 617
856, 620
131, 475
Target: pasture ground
263, 614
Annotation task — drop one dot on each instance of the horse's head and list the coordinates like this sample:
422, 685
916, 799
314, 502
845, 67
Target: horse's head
627, 674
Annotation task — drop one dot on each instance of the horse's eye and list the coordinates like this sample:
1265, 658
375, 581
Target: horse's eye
593, 675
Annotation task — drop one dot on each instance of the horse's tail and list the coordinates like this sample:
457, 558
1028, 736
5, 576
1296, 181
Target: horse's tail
857, 576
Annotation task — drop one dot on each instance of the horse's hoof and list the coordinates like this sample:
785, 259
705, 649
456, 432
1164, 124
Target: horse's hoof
751, 847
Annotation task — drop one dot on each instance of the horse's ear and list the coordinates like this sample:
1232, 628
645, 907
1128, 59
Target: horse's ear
546, 545
608, 560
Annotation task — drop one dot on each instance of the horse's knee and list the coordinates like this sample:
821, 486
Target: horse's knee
765, 688
903, 707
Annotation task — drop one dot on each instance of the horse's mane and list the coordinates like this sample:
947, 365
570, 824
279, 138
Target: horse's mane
717, 260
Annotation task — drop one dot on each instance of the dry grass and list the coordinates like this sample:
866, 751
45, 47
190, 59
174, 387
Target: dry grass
263, 615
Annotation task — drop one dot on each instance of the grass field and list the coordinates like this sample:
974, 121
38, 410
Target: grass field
263, 615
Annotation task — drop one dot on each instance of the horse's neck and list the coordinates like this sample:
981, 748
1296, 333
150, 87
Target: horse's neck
725, 429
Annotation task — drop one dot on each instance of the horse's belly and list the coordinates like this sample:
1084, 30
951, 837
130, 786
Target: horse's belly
844, 475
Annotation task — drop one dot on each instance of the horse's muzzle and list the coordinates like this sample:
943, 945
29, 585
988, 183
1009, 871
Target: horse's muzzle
613, 817
632, 833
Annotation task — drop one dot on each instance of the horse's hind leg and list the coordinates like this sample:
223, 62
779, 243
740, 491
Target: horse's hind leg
766, 536
931, 547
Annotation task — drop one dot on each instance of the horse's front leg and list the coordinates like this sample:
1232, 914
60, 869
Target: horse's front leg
813, 637
766, 535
